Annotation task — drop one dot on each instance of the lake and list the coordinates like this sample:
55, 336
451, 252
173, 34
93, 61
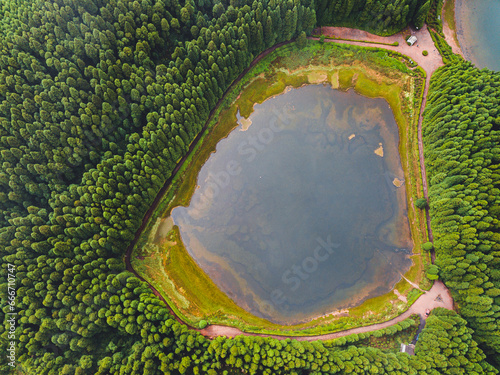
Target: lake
478, 29
301, 210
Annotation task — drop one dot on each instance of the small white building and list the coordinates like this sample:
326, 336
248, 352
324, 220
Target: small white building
412, 40
410, 349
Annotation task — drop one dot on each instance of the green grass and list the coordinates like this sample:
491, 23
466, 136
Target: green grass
413, 295
370, 71
356, 40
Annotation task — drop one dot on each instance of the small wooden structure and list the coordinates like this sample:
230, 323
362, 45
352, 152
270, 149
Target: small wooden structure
412, 40
410, 349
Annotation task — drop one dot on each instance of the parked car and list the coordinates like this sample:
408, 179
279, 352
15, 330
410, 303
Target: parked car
427, 312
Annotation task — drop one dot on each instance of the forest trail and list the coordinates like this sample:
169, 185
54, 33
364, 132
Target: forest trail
424, 43
422, 161
438, 295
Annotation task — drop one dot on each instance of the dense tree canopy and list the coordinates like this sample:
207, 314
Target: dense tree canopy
98, 102
382, 16
441, 345
462, 153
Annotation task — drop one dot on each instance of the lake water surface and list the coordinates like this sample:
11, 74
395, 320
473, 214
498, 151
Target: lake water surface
298, 212
478, 25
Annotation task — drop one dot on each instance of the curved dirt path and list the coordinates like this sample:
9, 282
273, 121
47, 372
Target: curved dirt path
438, 295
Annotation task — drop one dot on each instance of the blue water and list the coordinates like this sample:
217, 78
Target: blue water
297, 215
478, 24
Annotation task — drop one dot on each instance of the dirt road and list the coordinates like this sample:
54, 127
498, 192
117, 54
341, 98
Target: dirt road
424, 42
437, 296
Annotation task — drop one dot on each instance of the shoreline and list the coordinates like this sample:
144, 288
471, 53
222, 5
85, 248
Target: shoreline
203, 256
449, 20
459, 31
476, 29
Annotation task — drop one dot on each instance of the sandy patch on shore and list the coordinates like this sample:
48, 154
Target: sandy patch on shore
317, 77
397, 182
245, 124
450, 34
339, 313
380, 150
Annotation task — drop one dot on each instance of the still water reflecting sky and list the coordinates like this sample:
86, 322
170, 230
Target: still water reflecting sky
298, 212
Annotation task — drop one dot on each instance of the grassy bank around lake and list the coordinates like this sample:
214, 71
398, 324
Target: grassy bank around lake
163, 261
